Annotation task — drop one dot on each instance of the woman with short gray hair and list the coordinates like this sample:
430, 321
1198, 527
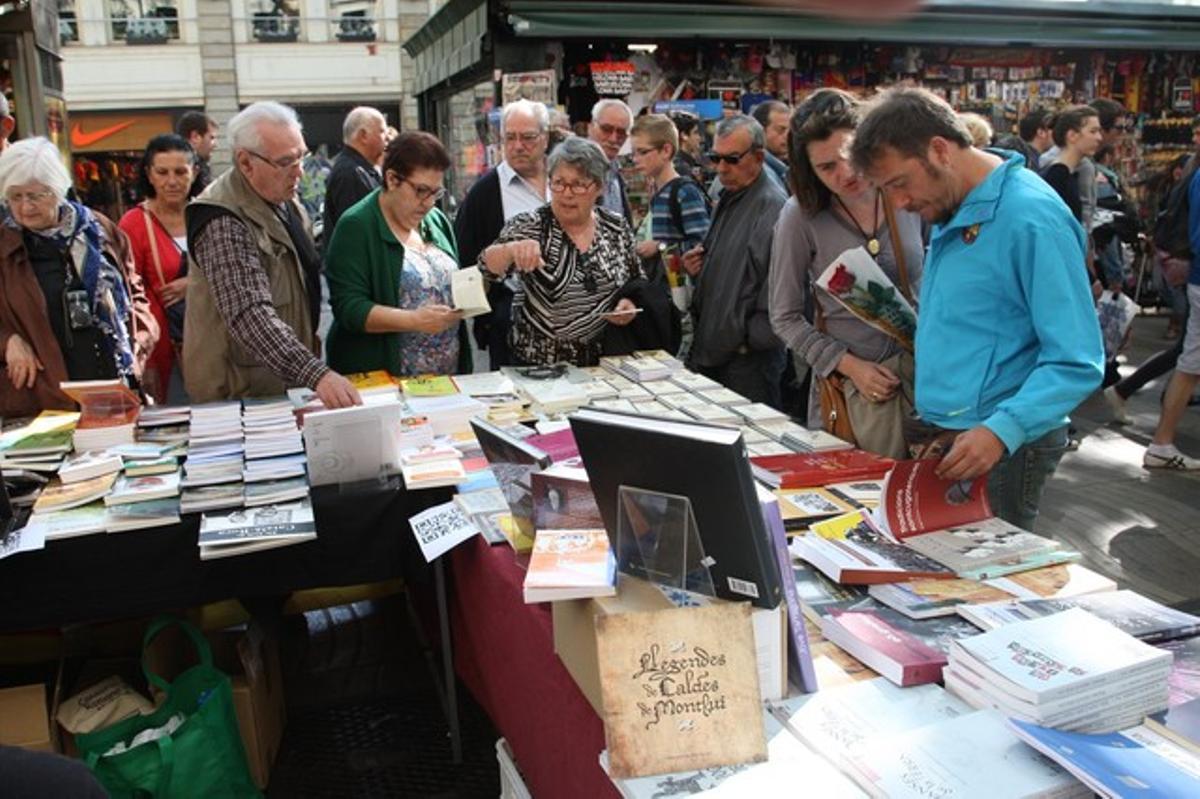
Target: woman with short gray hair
572, 257
71, 305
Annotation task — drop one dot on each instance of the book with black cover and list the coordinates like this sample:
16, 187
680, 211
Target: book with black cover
706, 463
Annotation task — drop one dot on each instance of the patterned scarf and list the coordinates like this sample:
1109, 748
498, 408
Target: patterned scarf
79, 234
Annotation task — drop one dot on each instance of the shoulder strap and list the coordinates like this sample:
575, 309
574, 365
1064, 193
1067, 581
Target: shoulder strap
148, 217
676, 210
897, 248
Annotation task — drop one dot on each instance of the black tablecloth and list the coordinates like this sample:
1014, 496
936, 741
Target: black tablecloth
362, 536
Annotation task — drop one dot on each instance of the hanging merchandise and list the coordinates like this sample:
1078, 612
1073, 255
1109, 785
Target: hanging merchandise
613, 78
1181, 95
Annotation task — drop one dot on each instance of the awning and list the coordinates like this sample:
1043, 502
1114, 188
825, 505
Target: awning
1130, 25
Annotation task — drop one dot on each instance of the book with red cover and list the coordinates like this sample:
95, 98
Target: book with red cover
559, 445
893, 653
805, 469
915, 500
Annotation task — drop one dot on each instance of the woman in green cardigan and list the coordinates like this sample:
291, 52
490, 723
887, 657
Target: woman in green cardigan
389, 265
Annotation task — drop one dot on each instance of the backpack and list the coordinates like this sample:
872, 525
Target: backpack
675, 206
1171, 225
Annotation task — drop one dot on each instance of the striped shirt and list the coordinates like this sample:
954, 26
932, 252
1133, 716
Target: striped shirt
557, 308
693, 213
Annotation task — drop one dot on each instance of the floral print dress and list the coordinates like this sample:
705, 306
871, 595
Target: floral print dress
425, 280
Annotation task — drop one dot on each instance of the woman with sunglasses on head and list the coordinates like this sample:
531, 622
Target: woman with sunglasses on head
158, 240
389, 266
573, 259
71, 304
833, 209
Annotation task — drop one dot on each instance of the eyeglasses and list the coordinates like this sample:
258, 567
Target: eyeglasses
1127, 127
524, 138
282, 163
613, 130
732, 158
32, 197
559, 186
426, 193
642, 152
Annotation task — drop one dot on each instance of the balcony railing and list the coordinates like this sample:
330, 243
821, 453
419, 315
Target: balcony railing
267, 27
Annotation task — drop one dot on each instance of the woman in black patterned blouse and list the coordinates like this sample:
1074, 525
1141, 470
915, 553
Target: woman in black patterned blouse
572, 258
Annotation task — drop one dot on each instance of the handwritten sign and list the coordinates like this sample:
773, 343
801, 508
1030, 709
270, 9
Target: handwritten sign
441, 528
680, 689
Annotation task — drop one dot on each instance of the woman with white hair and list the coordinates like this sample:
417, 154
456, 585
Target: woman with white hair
573, 259
71, 306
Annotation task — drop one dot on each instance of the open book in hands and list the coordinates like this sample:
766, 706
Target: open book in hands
470, 297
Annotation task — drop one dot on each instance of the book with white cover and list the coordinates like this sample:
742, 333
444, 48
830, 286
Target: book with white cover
759, 412
693, 381
484, 384
1044, 659
86, 465
724, 396
967, 757
293, 520
836, 722
81, 520
469, 295
350, 444
1140, 616
143, 489
789, 765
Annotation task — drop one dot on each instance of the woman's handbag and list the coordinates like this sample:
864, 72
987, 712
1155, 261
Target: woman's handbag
189, 747
175, 313
836, 415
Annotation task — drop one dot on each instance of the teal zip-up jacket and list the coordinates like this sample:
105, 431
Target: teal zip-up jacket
1007, 335
362, 266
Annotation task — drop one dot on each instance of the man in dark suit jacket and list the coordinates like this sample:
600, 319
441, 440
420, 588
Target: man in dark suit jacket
353, 175
611, 122
516, 185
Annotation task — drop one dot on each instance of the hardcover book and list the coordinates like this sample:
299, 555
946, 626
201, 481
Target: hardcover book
806, 469
680, 689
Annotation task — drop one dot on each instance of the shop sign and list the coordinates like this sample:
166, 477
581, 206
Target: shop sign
116, 131
703, 109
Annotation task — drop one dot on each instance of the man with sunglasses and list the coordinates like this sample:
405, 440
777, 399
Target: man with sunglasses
517, 184
254, 298
611, 122
734, 343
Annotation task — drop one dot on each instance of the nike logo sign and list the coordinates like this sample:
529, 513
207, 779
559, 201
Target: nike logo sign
80, 138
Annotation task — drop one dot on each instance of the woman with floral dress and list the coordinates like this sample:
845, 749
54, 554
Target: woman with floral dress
389, 265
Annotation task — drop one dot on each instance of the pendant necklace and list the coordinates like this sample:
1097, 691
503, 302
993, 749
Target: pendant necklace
873, 237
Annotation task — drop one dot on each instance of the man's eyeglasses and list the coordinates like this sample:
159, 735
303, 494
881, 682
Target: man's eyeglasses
32, 197
281, 163
642, 152
733, 159
613, 130
559, 186
1127, 127
524, 138
426, 193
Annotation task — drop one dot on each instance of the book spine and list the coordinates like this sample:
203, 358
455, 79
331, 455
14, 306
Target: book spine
799, 655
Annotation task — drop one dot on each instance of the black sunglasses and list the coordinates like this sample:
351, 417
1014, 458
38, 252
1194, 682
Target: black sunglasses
732, 159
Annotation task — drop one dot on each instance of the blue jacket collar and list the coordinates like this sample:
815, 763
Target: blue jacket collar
979, 206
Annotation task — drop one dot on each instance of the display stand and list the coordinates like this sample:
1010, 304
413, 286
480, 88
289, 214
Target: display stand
658, 540
8, 519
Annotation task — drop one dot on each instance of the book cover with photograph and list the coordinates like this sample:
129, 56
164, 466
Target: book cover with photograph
801, 506
849, 549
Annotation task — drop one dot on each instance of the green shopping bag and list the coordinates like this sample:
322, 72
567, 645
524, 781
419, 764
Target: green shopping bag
198, 750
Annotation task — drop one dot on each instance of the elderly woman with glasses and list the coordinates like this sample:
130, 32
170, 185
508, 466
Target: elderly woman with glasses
389, 266
71, 304
573, 259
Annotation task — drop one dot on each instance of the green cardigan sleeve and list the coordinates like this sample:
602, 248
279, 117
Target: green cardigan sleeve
348, 272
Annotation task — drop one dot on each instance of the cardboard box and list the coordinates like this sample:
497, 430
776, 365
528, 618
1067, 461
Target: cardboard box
251, 660
575, 636
24, 720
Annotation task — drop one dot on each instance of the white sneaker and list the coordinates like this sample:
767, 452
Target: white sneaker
1171, 459
1117, 403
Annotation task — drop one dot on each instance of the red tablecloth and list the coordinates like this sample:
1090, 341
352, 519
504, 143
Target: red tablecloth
504, 653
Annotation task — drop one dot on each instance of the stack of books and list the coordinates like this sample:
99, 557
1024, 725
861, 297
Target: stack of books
269, 428
1071, 671
155, 416
254, 529
281, 468
129, 490
212, 476
39, 445
448, 414
638, 368
432, 466
273, 492
108, 413
694, 382
549, 396
141, 515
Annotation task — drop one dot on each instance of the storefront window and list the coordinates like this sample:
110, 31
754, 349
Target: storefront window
68, 26
469, 126
144, 21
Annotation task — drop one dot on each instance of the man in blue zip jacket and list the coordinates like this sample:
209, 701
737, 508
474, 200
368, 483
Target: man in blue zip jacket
1008, 342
